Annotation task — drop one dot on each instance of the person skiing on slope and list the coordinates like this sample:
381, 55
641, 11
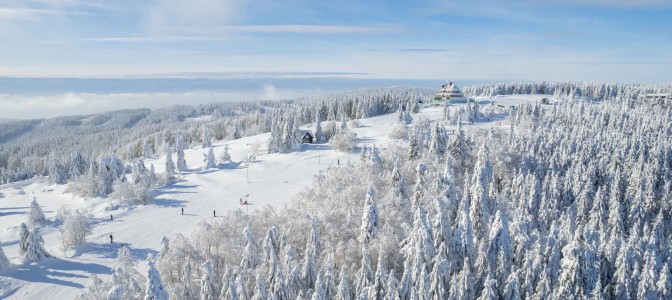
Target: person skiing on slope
111, 240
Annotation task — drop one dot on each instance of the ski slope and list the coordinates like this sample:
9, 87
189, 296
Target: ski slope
272, 179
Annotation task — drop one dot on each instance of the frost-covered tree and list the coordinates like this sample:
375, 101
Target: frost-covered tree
181, 162
343, 289
250, 256
23, 239
209, 160
187, 291
369, 227
34, 245
345, 140
146, 149
154, 289
125, 259
225, 157
259, 289
35, 215
75, 229
170, 164
206, 139
208, 282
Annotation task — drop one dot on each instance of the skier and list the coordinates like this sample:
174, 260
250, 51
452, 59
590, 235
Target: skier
111, 240
111, 217
214, 215
339, 162
183, 211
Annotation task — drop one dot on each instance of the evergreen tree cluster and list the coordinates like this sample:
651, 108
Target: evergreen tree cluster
573, 201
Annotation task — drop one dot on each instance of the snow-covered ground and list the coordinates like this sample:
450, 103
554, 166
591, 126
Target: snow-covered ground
273, 180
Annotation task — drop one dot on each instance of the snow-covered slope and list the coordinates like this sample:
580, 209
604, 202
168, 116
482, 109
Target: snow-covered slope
273, 180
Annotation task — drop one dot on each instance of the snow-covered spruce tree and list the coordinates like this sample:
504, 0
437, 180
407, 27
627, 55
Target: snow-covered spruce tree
369, 227
209, 160
170, 165
146, 149
74, 231
154, 289
125, 259
181, 162
250, 258
35, 215
225, 157
259, 289
187, 291
23, 239
78, 165
226, 280
480, 202
437, 142
34, 247
343, 289
364, 276
208, 282
206, 139
319, 135
57, 172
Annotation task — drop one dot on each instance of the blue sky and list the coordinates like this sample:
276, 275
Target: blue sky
60, 57
600, 40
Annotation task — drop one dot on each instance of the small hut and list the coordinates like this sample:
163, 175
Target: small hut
307, 137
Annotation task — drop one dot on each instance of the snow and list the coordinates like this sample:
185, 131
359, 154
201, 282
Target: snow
273, 180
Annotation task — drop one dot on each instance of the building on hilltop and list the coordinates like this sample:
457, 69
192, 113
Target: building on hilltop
451, 93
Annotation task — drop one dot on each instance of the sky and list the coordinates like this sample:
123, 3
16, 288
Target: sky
587, 40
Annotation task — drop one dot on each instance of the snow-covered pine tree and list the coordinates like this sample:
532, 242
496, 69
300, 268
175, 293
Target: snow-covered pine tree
420, 186
23, 239
78, 165
664, 284
343, 289
35, 215
34, 247
57, 172
243, 291
208, 282
209, 160
146, 149
480, 203
154, 289
369, 227
364, 276
170, 165
379, 288
309, 269
250, 253
319, 135
259, 289
125, 259
206, 139
187, 291
225, 157
226, 281
181, 162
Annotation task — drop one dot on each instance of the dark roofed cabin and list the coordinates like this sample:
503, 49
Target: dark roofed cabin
307, 138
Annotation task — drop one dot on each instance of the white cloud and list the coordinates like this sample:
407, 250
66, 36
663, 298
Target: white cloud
32, 107
162, 15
